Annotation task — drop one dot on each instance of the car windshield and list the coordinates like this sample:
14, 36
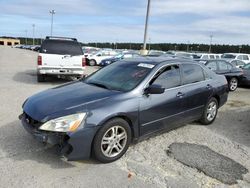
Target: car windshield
231, 56
61, 47
120, 76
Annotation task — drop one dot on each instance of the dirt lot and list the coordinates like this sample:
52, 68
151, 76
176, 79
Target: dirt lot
27, 163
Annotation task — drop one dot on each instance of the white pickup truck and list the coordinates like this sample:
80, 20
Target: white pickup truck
61, 57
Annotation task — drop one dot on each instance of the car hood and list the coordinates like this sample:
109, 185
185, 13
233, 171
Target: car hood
64, 100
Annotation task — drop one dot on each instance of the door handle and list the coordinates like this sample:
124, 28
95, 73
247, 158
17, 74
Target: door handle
209, 86
179, 94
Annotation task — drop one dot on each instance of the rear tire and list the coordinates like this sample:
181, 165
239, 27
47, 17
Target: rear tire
233, 84
92, 62
40, 78
112, 140
210, 112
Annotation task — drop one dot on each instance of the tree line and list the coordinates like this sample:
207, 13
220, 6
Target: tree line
215, 48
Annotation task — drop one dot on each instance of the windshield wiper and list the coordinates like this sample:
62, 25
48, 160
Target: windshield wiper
98, 85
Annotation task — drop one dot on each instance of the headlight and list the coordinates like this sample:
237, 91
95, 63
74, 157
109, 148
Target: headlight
64, 124
108, 62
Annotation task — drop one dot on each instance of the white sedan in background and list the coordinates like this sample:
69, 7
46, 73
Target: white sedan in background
95, 59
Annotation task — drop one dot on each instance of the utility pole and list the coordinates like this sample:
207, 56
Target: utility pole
33, 25
146, 27
52, 12
210, 46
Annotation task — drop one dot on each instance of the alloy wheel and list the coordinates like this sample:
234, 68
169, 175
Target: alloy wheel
233, 84
114, 141
211, 111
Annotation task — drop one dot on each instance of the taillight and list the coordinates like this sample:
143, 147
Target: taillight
39, 60
83, 62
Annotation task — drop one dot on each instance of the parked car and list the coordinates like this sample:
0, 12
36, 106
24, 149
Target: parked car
230, 71
240, 56
245, 80
237, 63
35, 48
122, 103
61, 57
95, 59
118, 57
209, 56
87, 50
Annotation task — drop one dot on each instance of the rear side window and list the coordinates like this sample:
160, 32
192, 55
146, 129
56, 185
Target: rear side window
240, 57
245, 57
192, 73
169, 77
61, 47
223, 65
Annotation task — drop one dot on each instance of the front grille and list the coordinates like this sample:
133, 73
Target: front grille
34, 123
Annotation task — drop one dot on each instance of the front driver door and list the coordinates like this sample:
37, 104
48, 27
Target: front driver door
160, 111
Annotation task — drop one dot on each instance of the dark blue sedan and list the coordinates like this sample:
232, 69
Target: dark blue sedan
122, 103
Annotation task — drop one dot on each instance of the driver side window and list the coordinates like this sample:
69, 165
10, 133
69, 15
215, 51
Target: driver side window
168, 77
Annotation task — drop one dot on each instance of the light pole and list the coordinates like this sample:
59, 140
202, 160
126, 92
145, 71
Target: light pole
52, 12
33, 25
146, 27
210, 46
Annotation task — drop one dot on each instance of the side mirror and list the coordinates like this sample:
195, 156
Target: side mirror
98, 55
154, 89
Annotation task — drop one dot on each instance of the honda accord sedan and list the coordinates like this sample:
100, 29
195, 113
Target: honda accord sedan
122, 103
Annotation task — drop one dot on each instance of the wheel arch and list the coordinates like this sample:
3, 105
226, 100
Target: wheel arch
217, 97
127, 119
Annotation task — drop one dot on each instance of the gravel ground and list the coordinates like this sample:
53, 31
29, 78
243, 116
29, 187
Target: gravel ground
27, 163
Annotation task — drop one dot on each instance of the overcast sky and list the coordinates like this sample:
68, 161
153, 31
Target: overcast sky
180, 21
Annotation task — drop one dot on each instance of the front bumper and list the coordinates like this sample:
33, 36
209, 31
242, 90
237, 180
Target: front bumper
74, 146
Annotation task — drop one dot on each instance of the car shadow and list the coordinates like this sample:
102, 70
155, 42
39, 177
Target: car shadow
30, 77
244, 86
18, 145
233, 124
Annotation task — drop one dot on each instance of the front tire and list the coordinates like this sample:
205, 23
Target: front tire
233, 84
210, 112
112, 140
